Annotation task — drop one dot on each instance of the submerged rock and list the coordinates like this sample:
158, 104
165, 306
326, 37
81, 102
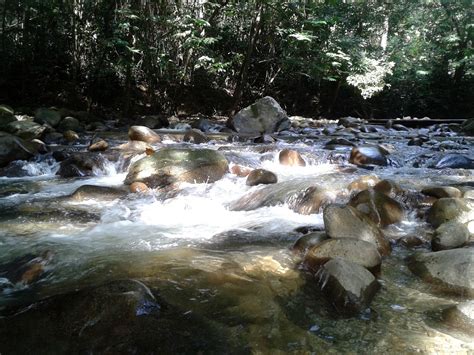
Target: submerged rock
171, 165
291, 158
450, 235
307, 241
368, 155
347, 222
461, 317
144, 134
380, 208
14, 148
348, 286
261, 176
357, 251
103, 193
118, 317
81, 164
363, 183
264, 116
451, 270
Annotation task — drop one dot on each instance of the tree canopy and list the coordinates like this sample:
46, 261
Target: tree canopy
318, 58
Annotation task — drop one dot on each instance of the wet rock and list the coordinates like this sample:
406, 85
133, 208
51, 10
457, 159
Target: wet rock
70, 136
411, 241
70, 124
53, 138
138, 187
26, 269
102, 193
417, 141
144, 134
460, 317
442, 191
338, 142
49, 116
368, 155
363, 183
6, 115
389, 188
261, 176
27, 130
264, 116
349, 122
133, 147
98, 146
447, 209
451, 270
400, 127
379, 207
264, 139
311, 200
357, 251
454, 161
291, 158
347, 222
169, 165
203, 124
14, 148
120, 317
307, 241
348, 286
39, 146
81, 164
195, 136
450, 235
240, 171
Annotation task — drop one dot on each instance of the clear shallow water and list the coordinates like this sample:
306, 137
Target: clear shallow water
232, 268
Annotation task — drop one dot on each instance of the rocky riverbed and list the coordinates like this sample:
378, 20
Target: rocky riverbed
262, 234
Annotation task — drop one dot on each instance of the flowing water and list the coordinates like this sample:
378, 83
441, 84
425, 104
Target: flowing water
233, 271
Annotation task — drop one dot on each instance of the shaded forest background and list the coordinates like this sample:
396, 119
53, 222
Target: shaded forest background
373, 59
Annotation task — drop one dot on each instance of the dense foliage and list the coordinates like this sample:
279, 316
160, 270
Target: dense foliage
371, 59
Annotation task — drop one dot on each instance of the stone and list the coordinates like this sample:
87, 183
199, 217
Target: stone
264, 116
49, 116
173, 165
70, 124
452, 271
348, 286
450, 235
240, 170
195, 136
454, 161
70, 136
290, 157
152, 121
14, 148
379, 207
98, 146
26, 269
304, 243
347, 222
460, 317
389, 188
310, 201
27, 130
133, 147
261, 176
102, 193
363, 183
81, 164
144, 134
442, 191
350, 122
368, 155
449, 208
6, 115
138, 187
338, 142
357, 251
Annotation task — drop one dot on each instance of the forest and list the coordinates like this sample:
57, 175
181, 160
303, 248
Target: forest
236, 177
369, 59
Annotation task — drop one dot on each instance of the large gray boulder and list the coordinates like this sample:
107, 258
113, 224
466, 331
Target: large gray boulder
25, 129
449, 208
264, 116
172, 165
451, 270
6, 115
358, 251
461, 317
49, 116
450, 235
14, 148
348, 286
342, 221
